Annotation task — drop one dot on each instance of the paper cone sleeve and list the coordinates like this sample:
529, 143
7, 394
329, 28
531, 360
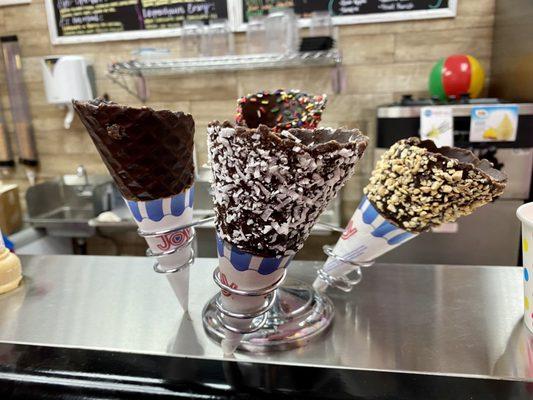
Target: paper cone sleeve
168, 213
367, 236
245, 271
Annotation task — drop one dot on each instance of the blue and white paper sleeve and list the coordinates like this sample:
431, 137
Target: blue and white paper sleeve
241, 270
367, 236
166, 213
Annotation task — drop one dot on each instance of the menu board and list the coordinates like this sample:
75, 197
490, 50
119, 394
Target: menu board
355, 11
99, 20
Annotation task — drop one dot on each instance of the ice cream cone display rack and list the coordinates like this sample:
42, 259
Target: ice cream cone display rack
274, 173
20, 110
291, 316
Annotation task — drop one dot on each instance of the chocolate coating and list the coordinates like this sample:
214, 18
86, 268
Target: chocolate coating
281, 110
269, 189
417, 186
148, 153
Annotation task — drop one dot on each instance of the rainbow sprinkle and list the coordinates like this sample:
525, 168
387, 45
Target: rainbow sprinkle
282, 109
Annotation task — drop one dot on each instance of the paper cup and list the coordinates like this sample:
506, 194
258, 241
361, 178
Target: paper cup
525, 215
244, 271
168, 213
367, 236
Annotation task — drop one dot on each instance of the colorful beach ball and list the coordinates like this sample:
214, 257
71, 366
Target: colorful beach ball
456, 75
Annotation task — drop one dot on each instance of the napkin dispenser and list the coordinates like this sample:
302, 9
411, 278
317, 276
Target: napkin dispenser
67, 78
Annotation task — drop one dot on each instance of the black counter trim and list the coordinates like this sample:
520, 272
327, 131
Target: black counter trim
36, 372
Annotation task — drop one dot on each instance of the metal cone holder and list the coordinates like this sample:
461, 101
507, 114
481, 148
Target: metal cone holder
344, 282
258, 318
367, 236
292, 315
186, 229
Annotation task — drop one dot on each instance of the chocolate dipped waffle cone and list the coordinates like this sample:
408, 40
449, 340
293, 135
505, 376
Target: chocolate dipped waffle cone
148, 153
418, 186
281, 110
269, 189
150, 157
415, 186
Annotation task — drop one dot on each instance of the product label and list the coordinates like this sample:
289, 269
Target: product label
495, 123
436, 123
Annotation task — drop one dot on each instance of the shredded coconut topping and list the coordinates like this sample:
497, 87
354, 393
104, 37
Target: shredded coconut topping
269, 189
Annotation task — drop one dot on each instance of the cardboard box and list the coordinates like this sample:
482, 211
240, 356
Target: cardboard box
10, 211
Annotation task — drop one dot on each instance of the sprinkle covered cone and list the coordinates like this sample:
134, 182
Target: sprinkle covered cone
281, 110
414, 187
269, 189
150, 157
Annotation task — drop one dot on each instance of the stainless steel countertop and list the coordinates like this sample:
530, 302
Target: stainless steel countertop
428, 319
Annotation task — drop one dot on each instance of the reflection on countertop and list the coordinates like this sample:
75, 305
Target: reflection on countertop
428, 319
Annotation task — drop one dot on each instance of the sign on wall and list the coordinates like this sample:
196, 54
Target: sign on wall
13, 2
353, 11
74, 21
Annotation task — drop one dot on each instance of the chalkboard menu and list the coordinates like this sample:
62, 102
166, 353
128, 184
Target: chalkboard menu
361, 7
355, 11
98, 20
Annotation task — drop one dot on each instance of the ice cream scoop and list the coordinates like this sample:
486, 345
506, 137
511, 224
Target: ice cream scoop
10, 269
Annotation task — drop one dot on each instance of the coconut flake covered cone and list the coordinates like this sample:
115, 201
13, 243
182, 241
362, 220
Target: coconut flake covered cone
150, 157
415, 186
269, 189
281, 110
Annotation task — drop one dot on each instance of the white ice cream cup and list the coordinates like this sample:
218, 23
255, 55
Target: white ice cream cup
525, 215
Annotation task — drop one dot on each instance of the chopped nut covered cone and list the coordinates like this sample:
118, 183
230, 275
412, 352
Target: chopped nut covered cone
148, 153
417, 185
269, 188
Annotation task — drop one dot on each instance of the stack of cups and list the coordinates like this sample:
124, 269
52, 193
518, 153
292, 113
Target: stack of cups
525, 215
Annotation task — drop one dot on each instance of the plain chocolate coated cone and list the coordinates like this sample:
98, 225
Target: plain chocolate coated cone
148, 153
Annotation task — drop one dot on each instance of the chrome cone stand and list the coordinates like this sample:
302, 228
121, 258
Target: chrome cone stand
292, 315
189, 234
343, 282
